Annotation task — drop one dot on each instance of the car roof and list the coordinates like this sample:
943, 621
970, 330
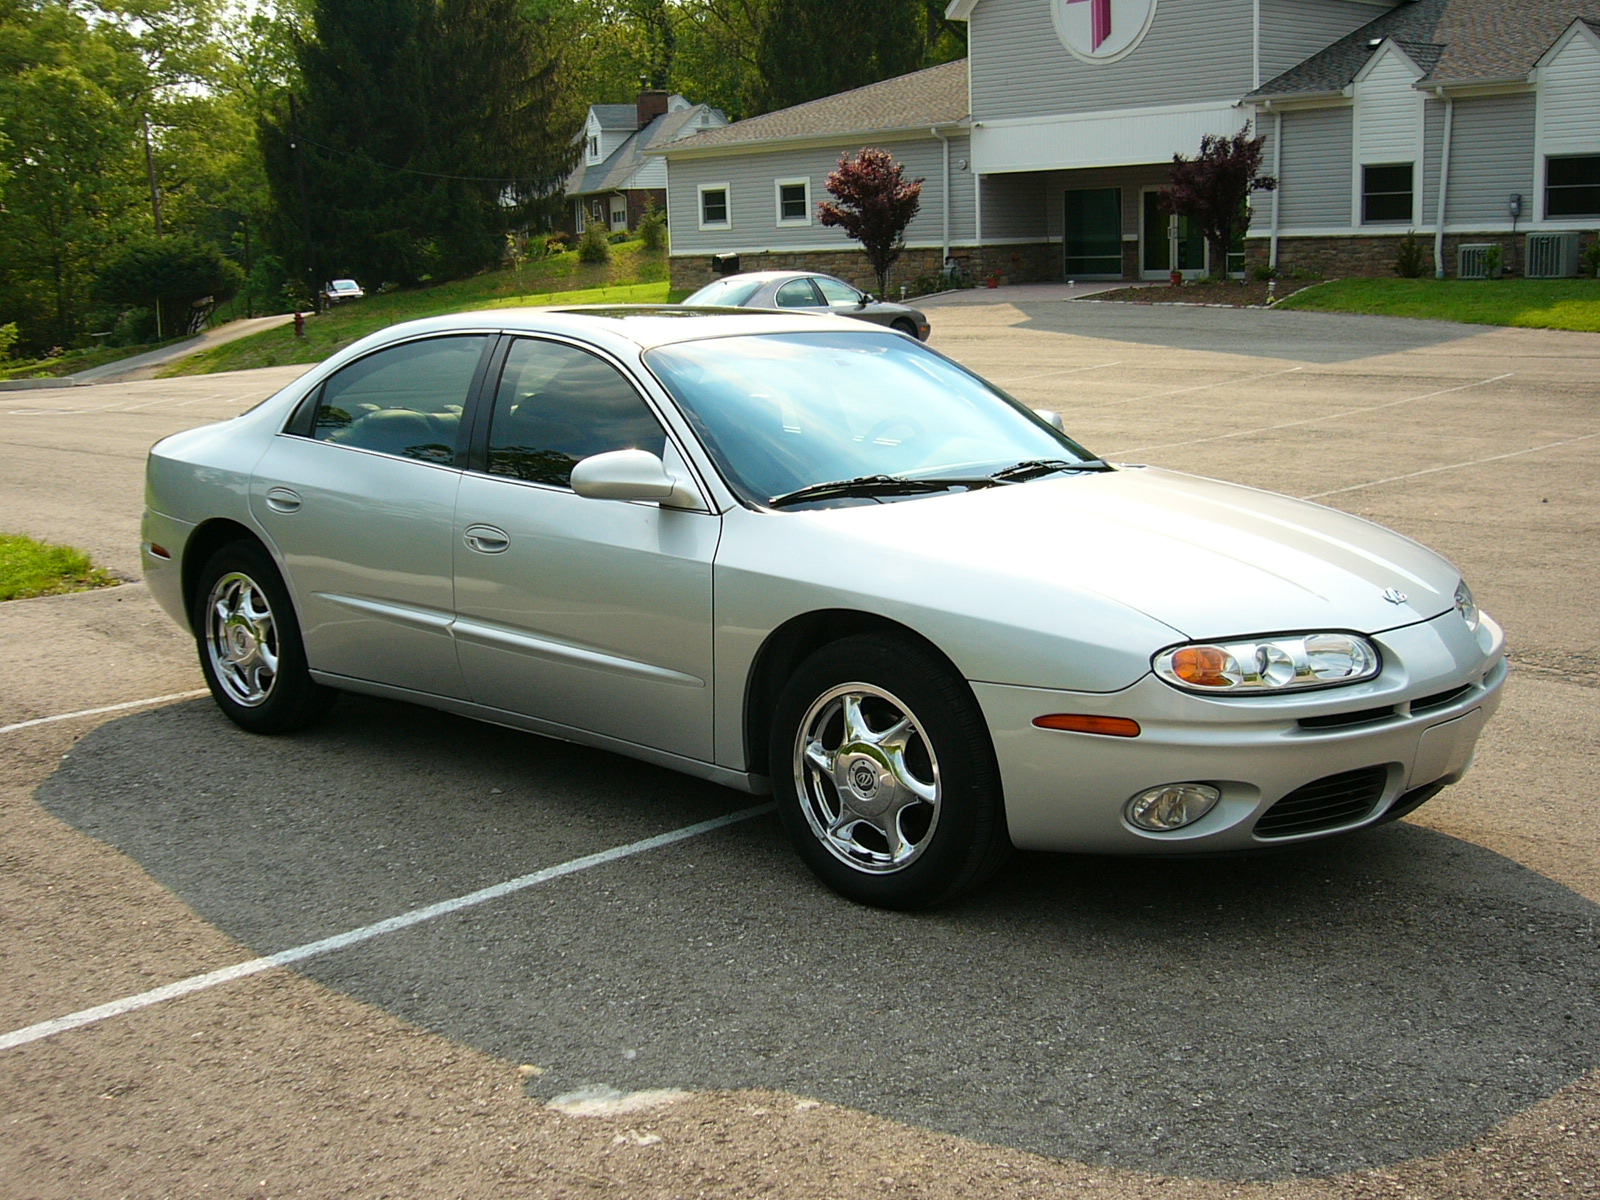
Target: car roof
641, 325
770, 276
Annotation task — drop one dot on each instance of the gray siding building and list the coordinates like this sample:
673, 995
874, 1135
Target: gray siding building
1454, 122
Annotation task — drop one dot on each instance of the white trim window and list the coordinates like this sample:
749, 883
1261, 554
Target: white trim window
1572, 186
792, 198
714, 209
1387, 194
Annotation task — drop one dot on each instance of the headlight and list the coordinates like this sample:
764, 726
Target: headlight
1467, 606
1280, 664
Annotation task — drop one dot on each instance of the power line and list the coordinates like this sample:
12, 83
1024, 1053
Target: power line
412, 170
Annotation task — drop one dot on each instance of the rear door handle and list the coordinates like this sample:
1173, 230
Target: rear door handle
486, 539
281, 499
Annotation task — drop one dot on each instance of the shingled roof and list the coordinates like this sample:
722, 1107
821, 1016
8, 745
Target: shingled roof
1453, 41
616, 170
920, 100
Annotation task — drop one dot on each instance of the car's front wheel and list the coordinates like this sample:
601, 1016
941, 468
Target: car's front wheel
885, 776
250, 648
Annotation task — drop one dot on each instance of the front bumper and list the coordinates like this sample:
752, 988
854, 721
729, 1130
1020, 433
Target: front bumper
1415, 725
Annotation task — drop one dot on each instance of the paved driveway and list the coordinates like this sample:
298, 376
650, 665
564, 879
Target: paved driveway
1416, 1006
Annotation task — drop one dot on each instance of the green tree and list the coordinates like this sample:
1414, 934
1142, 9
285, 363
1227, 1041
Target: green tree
820, 47
172, 275
873, 203
67, 91
423, 131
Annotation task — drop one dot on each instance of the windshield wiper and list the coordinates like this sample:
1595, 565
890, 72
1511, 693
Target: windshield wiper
1033, 467
873, 485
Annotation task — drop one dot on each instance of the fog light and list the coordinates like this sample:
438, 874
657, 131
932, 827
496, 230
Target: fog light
1172, 806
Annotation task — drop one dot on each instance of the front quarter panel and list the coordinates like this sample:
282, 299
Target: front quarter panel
774, 567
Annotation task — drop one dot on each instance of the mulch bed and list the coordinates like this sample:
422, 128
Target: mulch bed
1235, 293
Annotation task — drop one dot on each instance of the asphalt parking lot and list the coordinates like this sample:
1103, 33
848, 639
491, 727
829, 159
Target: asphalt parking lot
1410, 1011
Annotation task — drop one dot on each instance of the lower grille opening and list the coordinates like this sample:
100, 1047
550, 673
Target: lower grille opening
1428, 703
1339, 720
1325, 804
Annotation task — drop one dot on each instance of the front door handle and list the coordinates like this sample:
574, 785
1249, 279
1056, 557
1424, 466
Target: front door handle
486, 539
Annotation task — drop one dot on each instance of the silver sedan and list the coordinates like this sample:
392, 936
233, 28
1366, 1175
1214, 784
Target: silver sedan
812, 292
818, 558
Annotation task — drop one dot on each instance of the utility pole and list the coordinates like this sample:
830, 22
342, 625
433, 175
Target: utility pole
150, 166
305, 211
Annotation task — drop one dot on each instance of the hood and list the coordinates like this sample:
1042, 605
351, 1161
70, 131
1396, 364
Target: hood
1211, 560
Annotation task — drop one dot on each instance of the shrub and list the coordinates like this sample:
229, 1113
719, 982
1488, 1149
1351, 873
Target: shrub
1261, 272
653, 228
8, 339
1591, 257
594, 246
1409, 257
556, 243
1491, 260
618, 237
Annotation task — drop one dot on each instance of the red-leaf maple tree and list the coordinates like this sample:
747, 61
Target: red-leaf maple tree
1213, 190
873, 203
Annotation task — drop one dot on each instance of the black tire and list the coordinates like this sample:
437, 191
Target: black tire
249, 643
906, 326
857, 808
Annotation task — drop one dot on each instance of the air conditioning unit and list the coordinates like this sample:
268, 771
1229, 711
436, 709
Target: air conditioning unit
1552, 255
1472, 260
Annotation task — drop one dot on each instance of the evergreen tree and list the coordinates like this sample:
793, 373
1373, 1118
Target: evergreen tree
424, 130
818, 47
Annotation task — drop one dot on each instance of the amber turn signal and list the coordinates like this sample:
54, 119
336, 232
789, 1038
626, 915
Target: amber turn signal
1079, 723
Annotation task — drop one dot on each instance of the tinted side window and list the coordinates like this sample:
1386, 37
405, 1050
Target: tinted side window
557, 405
798, 293
405, 400
837, 292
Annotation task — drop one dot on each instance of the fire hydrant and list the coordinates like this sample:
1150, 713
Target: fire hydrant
299, 323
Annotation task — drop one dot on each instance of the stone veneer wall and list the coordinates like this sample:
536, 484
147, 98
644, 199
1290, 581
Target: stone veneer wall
1014, 264
1348, 257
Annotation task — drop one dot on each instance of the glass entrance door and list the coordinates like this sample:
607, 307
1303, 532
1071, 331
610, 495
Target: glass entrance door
1092, 234
1162, 250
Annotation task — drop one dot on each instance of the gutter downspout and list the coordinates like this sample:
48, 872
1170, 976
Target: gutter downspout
1277, 173
944, 256
1444, 184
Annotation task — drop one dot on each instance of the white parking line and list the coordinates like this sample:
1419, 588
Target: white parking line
1476, 462
1063, 371
197, 983
1349, 412
109, 708
1201, 387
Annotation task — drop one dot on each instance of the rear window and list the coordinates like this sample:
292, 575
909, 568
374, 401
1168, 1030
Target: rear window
726, 291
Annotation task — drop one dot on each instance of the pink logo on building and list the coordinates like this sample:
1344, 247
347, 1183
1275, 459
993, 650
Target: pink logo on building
1102, 30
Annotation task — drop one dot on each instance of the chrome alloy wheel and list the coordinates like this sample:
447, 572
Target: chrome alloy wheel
867, 778
242, 639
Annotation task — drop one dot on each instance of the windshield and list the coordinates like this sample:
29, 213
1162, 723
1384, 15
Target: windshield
781, 412
725, 291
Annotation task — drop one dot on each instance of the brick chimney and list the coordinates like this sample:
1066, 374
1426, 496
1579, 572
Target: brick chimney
652, 104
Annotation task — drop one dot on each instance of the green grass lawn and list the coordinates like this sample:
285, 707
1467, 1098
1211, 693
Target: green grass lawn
631, 277
1572, 304
29, 568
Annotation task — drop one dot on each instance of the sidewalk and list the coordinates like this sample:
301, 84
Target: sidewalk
143, 366
1020, 293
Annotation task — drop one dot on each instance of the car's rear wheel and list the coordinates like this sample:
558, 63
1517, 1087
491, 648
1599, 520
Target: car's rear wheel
249, 642
885, 776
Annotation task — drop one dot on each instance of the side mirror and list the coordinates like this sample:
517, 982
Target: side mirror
1051, 418
630, 475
